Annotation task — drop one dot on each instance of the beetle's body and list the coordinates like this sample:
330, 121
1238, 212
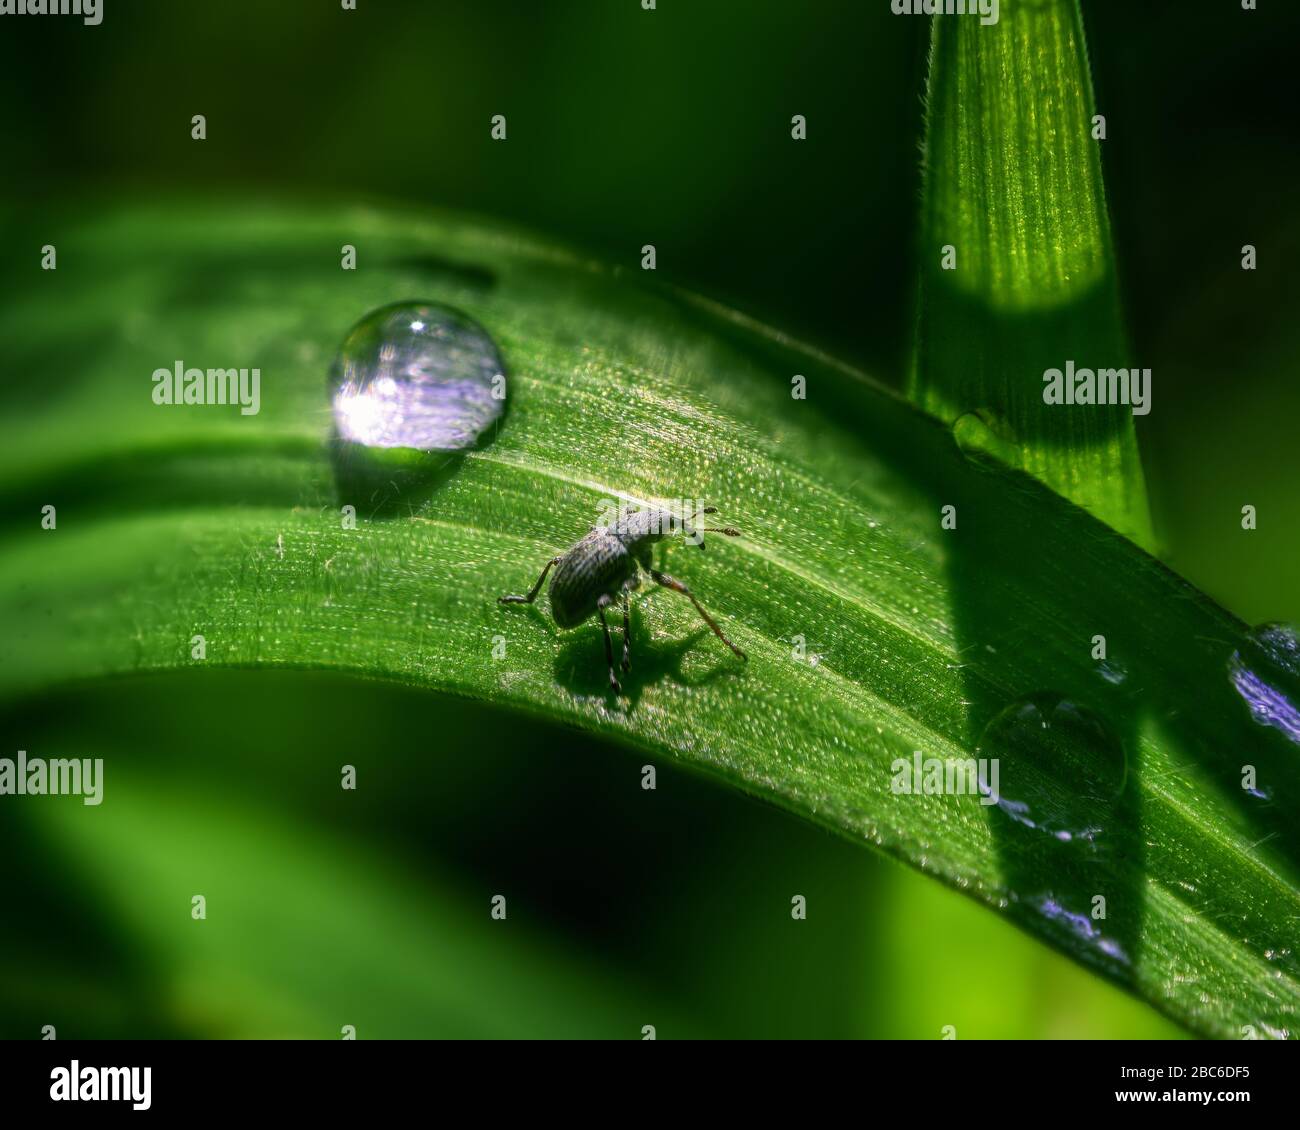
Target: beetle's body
600, 565
606, 565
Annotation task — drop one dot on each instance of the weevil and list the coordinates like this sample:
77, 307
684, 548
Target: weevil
606, 566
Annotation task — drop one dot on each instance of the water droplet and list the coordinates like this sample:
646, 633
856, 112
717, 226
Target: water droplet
976, 434
415, 385
1061, 768
417, 375
1059, 819
1265, 671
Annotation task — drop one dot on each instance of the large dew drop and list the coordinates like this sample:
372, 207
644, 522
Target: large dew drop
419, 376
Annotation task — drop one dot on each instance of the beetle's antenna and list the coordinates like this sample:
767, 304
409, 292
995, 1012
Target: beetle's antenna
727, 529
730, 531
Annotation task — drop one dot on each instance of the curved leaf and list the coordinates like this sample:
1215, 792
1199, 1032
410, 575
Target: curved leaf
872, 629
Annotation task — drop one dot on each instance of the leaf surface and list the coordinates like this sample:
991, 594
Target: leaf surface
872, 630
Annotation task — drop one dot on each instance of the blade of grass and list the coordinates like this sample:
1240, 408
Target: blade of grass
1017, 267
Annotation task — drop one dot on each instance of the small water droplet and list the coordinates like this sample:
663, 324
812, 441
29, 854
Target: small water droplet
1265, 671
417, 375
1061, 768
976, 434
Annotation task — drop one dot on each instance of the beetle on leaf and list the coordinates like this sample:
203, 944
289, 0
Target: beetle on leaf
606, 566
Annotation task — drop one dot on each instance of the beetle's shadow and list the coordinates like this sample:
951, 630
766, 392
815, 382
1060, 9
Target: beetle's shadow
581, 669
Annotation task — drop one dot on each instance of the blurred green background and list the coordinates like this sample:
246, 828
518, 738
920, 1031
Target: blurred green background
626, 127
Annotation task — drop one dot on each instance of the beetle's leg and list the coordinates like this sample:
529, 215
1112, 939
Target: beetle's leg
604, 602
532, 594
627, 632
677, 586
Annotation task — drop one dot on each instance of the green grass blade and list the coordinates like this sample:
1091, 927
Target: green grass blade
1013, 185
873, 630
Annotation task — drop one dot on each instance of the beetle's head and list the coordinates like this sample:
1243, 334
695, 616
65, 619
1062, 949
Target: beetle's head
654, 524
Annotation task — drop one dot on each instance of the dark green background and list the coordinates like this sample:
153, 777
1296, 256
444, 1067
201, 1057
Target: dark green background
625, 127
